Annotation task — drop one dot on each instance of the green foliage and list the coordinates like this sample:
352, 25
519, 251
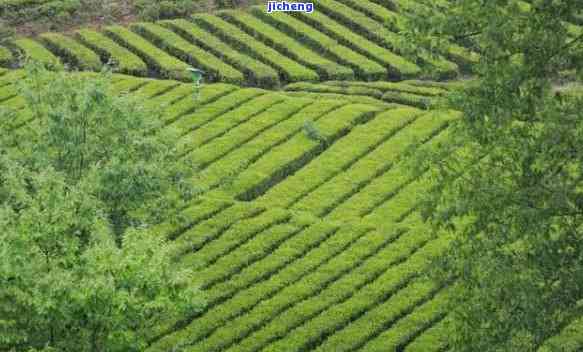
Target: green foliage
104, 142
6, 32
118, 57
312, 131
361, 23
17, 12
255, 71
285, 158
164, 64
397, 65
569, 340
64, 282
75, 53
155, 10
332, 126
33, 50
56, 15
291, 70
290, 47
188, 52
344, 89
79, 185
519, 260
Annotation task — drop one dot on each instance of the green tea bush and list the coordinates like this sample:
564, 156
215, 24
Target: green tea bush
312, 131
155, 10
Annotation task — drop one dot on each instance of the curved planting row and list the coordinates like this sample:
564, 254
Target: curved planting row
278, 279
389, 92
342, 40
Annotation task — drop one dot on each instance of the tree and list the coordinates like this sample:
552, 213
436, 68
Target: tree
64, 283
80, 270
111, 144
516, 187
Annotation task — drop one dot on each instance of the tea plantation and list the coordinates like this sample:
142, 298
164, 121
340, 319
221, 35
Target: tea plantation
307, 237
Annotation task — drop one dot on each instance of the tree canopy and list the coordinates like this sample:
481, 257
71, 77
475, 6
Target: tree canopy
79, 187
517, 183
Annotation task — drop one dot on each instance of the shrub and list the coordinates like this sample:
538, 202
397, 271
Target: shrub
312, 131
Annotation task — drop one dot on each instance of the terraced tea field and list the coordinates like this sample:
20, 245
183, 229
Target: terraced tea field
343, 40
303, 244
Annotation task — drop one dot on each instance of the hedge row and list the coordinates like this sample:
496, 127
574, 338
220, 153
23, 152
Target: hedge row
288, 252
356, 99
448, 85
243, 279
568, 340
375, 31
181, 101
374, 321
212, 227
290, 70
397, 66
392, 86
72, 51
262, 145
124, 61
364, 68
33, 50
215, 69
128, 85
419, 101
6, 57
155, 88
241, 301
280, 313
346, 300
340, 156
400, 203
163, 64
256, 72
324, 88
257, 248
433, 339
288, 311
406, 329
250, 180
235, 236
203, 134
380, 189
332, 121
243, 133
289, 46
376, 11
343, 185
197, 212
460, 55
190, 125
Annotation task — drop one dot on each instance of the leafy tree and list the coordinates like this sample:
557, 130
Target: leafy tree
517, 185
110, 144
64, 283
79, 187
